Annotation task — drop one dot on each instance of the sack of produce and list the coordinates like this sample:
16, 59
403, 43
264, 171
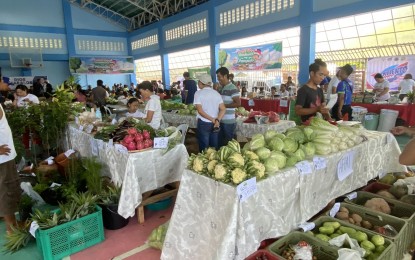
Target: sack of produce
157, 236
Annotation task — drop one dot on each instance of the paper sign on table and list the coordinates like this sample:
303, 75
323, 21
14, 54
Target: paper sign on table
307, 226
94, 147
33, 227
352, 195
81, 128
246, 189
121, 148
283, 103
161, 142
334, 209
389, 138
251, 103
89, 129
320, 163
114, 121
110, 143
76, 120
304, 167
345, 166
69, 152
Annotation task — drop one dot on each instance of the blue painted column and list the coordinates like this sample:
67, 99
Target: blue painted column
307, 40
70, 39
214, 46
165, 75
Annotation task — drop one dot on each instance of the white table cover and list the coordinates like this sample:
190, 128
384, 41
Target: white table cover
249, 129
209, 223
178, 119
137, 172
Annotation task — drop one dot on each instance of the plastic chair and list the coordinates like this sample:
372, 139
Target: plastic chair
183, 129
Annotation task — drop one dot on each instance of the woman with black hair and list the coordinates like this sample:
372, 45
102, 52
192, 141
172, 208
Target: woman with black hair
152, 110
22, 97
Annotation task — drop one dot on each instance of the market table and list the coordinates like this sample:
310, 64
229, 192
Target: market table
176, 119
249, 129
406, 111
266, 105
209, 222
137, 172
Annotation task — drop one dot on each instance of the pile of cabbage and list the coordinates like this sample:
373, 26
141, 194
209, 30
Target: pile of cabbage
277, 151
229, 164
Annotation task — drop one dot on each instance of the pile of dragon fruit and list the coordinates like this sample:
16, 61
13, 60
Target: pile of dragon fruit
136, 140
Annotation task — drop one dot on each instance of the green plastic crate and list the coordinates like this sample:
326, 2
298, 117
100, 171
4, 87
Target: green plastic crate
380, 219
66, 239
321, 250
388, 254
398, 209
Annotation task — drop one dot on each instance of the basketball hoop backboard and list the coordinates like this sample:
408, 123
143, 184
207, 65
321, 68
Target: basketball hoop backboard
25, 58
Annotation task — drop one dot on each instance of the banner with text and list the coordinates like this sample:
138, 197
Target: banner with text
194, 72
101, 65
393, 69
260, 57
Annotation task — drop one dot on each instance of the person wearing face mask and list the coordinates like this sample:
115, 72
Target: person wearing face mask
345, 93
310, 97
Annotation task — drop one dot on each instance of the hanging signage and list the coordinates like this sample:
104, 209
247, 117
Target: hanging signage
260, 57
393, 69
101, 65
196, 72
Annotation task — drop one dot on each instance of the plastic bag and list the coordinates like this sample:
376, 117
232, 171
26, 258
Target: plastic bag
354, 245
28, 189
303, 251
348, 254
157, 236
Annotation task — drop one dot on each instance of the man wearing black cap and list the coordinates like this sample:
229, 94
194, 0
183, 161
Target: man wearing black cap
345, 93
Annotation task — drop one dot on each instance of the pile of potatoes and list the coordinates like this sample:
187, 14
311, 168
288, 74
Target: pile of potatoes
354, 218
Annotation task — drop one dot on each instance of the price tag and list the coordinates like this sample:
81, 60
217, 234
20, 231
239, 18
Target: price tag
304, 167
114, 121
69, 152
382, 174
161, 142
89, 129
389, 138
352, 196
345, 166
120, 148
77, 120
110, 143
33, 227
320, 163
54, 184
368, 117
81, 128
334, 209
251, 103
246, 189
49, 160
94, 147
307, 226
283, 103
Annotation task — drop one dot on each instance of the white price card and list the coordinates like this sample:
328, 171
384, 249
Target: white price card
251, 103
110, 143
114, 121
89, 129
320, 163
389, 138
307, 226
335, 209
161, 142
345, 166
33, 227
81, 128
304, 167
49, 160
69, 152
283, 103
77, 120
352, 195
120, 148
94, 147
246, 189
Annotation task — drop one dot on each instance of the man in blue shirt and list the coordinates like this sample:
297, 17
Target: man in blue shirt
190, 88
345, 93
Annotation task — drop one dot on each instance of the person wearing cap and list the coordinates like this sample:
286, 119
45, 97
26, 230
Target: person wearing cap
381, 88
345, 93
210, 111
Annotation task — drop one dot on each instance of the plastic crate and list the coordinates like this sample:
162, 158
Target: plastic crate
66, 239
375, 187
263, 252
398, 209
322, 250
380, 219
388, 254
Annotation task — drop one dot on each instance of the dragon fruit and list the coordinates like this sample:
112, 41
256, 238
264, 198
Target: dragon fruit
128, 139
131, 146
146, 134
132, 131
148, 143
140, 145
138, 138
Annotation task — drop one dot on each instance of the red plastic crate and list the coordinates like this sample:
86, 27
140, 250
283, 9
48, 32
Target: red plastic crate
263, 252
375, 187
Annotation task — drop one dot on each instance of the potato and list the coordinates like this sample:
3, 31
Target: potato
356, 217
344, 209
351, 221
342, 215
366, 224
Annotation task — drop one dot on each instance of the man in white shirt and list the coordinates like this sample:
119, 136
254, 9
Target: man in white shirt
407, 85
381, 88
332, 87
210, 111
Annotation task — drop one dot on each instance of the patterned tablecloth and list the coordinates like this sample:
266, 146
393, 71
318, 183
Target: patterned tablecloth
137, 172
209, 222
177, 119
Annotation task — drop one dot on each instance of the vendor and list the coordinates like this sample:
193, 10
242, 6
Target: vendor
22, 98
310, 97
132, 109
152, 110
407, 156
381, 88
283, 93
405, 86
345, 93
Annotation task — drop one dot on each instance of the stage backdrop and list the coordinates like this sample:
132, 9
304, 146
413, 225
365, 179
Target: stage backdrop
393, 69
101, 65
260, 57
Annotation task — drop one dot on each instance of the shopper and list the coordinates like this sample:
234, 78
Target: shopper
42, 88
9, 178
310, 97
290, 85
231, 99
381, 88
98, 94
152, 110
22, 97
210, 111
283, 93
344, 91
332, 86
407, 85
189, 86
407, 157
132, 109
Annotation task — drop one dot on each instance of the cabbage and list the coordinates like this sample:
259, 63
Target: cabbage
279, 157
276, 144
247, 147
291, 161
257, 136
309, 149
299, 155
257, 143
263, 153
290, 145
309, 133
297, 135
271, 165
269, 135
280, 136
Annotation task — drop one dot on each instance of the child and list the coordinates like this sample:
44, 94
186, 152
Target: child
345, 93
132, 106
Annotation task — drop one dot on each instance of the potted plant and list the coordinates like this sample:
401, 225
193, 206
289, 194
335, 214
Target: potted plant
109, 204
25, 207
410, 96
